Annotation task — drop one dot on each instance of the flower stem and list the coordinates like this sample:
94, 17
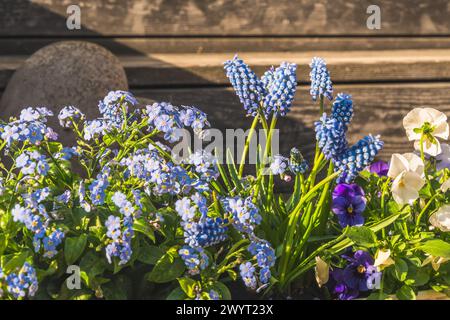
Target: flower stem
247, 144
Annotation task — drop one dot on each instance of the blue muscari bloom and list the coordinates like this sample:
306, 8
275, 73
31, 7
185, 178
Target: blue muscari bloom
321, 84
194, 258
331, 136
244, 214
356, 158
24, 283
342, 108
199, 229
297, 164
280, 85
246, 84
207, 232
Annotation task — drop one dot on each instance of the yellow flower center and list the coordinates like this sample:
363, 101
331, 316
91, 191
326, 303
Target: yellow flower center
361, 269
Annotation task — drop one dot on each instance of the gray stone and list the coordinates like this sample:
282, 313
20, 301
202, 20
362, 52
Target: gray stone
64, 73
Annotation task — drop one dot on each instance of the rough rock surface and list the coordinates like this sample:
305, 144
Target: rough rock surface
64, 73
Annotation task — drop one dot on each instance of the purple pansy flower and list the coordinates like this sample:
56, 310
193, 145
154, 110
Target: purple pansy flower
381, 168
360, 273
341, 290
358, 276
348, 204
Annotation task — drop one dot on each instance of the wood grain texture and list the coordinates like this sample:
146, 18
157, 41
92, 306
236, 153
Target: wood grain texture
379, 109
164, 70
225, 17
152, 45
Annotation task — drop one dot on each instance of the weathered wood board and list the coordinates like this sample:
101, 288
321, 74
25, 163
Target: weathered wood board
216, 44
206, 69
218, 17
379, 109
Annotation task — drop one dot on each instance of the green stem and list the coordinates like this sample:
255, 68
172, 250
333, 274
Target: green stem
424, 210
247, 144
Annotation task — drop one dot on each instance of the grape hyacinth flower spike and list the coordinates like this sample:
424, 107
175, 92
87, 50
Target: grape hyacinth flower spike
321, 84
281, 85
342, 108
245, 82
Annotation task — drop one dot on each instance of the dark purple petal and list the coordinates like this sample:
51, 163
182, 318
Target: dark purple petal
340, 205
350, 220
381, 168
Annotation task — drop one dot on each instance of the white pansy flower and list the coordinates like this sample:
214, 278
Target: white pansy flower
441, 218
383, 259
405, 162
443, 159
405, 188
430, 122
407, 170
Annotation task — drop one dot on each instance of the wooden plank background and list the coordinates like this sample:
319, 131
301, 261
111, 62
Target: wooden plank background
173, 50
226, 17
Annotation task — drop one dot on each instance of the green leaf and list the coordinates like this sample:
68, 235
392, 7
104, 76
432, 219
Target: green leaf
436, 248
417, 277
176, 294
166, 269
233, 171
149, 254
188, 286
400, 269
362, 236
223, 290
118, 289
12, 262
92, 264
406, 293
3, 243
143, 227
74, 247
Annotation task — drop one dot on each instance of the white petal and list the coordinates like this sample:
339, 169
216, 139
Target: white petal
405, 188
322, 271
432, 149
397, 165
381, 257
439, 121
414, 119
415, 163
441, 218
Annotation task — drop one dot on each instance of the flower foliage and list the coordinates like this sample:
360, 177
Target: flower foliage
123, 208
